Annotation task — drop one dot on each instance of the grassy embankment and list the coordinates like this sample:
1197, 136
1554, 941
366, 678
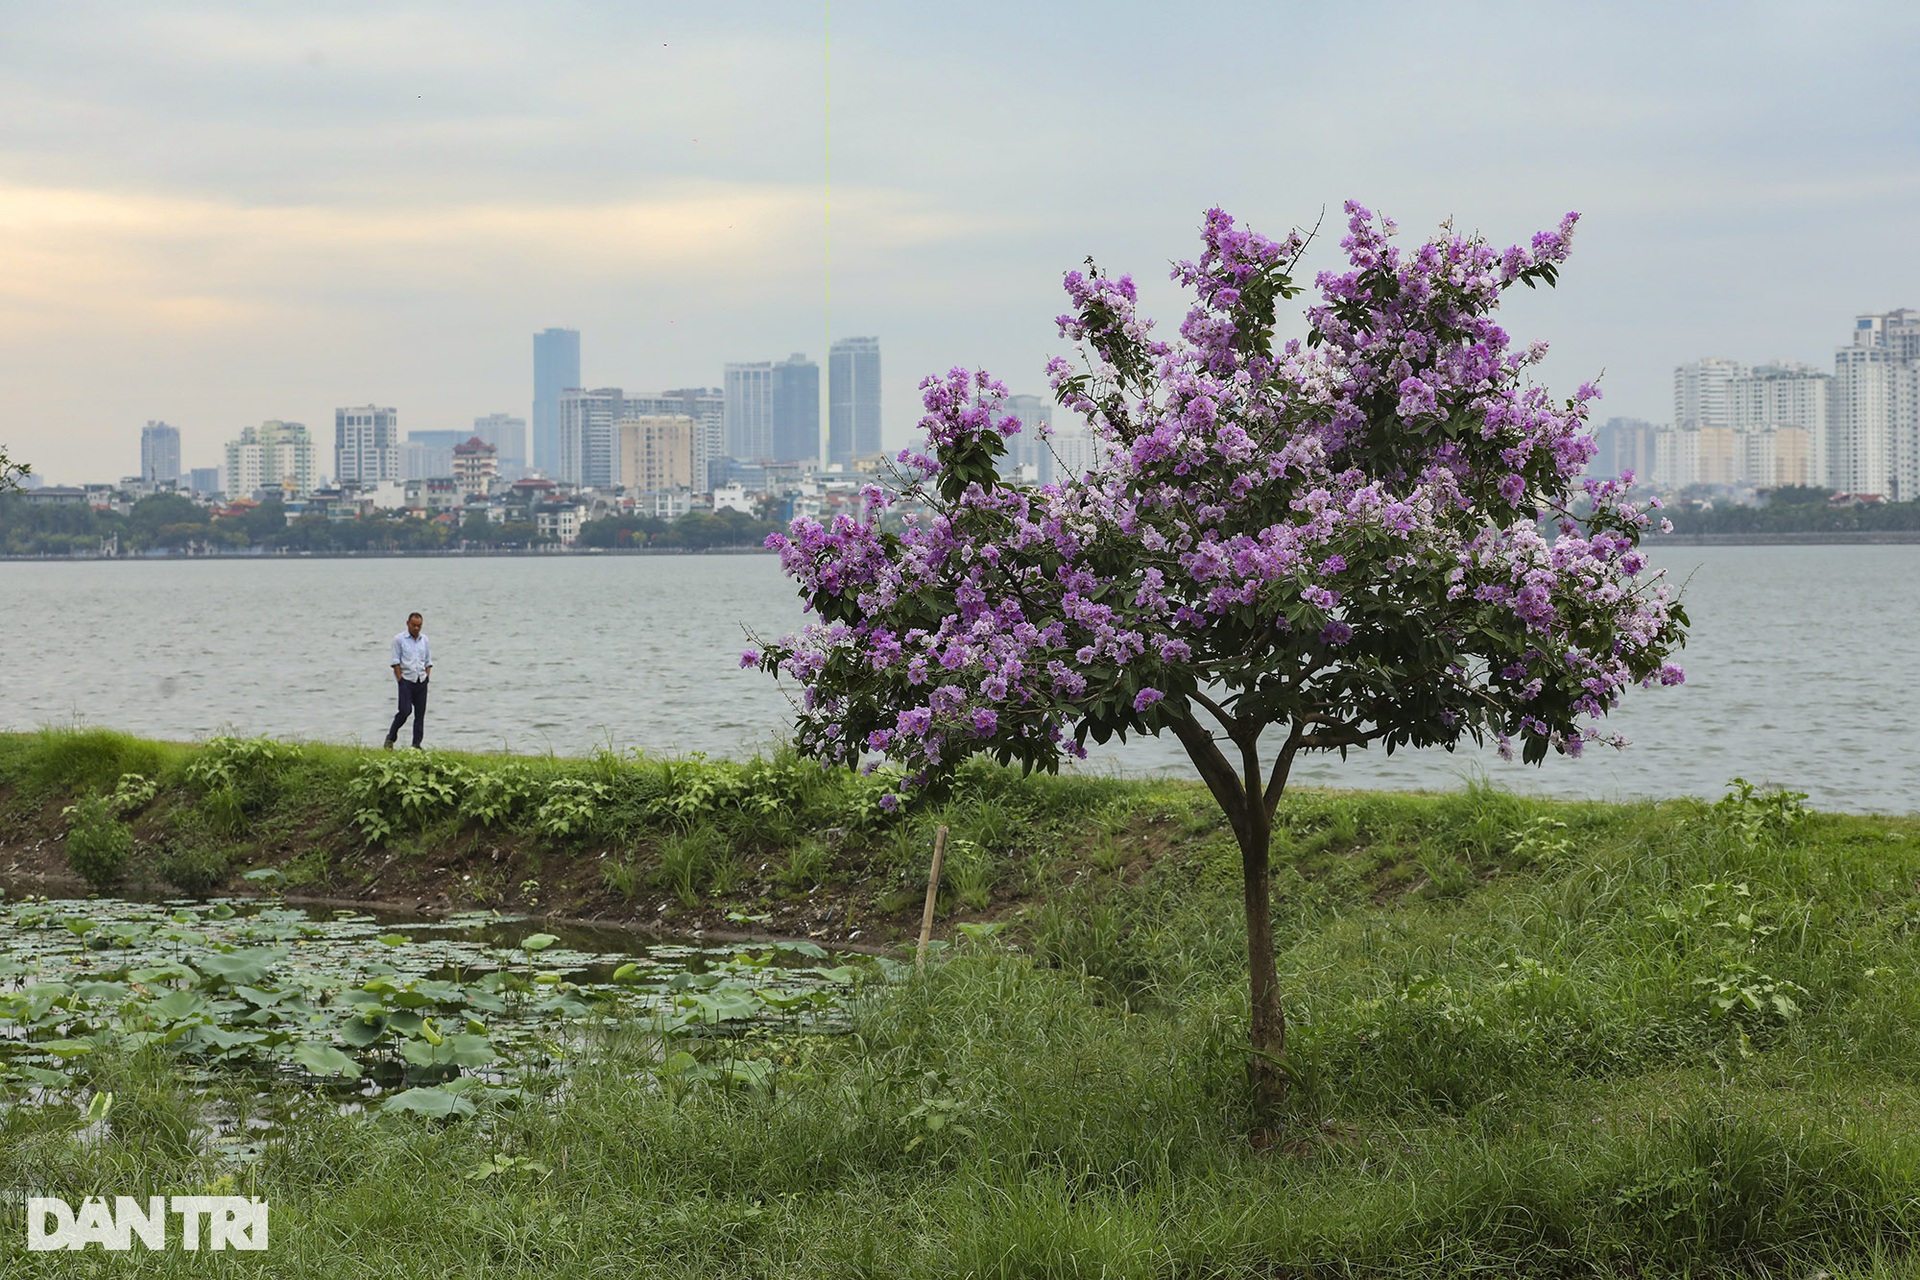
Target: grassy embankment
1530, 1038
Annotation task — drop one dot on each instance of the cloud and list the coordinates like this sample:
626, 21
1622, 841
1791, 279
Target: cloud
89, 259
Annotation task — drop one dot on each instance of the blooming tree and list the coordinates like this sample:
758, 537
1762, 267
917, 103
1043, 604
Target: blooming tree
1312, 546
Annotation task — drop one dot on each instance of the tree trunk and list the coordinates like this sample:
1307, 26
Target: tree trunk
1266, 1064
1246, 806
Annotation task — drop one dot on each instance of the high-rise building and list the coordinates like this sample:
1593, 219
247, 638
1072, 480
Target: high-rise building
656, 452
1027, 452
796, 410
274, 459
1078, 451
556, 367
1702, 394
853, 399
1897, 331
476, 465
707, 406
204, 481
428, 455
1786, 394
588, 437
1776, 456
1875, 407
508, 435
1622, 445
159, 453
366, 445
749, 411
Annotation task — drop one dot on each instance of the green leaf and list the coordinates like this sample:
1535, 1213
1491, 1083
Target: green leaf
361, 1032
538, 941
237, 968
325, 1060
434, 1103
176, 1006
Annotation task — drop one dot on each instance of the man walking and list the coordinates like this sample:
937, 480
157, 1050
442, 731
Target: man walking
412, 664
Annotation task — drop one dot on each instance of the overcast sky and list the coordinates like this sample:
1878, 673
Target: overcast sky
217, 214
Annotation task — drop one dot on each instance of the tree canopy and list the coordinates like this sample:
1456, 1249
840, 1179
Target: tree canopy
1337, 538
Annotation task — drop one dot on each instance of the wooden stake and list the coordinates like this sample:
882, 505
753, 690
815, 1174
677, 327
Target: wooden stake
933, 891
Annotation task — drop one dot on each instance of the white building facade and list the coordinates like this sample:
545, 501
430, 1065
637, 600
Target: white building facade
749, 411
366, 445
1788, 395
274, 458
1876, 407
1703, 392
589, 437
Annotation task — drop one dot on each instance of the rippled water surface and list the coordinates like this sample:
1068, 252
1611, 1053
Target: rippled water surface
1801, 671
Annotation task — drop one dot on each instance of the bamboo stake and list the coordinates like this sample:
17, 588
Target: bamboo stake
933, 891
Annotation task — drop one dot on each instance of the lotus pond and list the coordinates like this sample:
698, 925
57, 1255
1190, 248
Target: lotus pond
424, 1016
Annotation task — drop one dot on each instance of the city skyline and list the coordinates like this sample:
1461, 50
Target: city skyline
217, 215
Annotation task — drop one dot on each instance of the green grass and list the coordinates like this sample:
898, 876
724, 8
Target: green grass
1528, 1038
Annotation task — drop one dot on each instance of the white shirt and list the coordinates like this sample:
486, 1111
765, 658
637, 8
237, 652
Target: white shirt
414, 656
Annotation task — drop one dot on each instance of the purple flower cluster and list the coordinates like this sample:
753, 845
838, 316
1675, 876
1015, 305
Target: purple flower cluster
1342, 534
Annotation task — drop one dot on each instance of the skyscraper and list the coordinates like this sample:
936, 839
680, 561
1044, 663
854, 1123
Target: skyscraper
556, 367
159, 453
656, 452
796, 410
1027, 448
508, 436
1622, 445
853, 399
428, 455
1786, 395
366, 445
1874, 413
588, 437
749, 411
275, 458
1702, 393
707, 406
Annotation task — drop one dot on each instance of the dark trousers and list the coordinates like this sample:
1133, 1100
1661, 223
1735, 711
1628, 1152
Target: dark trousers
413, 701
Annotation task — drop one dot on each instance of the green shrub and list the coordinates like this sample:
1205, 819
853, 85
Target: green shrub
99, 845
196, 869
404, 791
570, 808
497, 796
239, 777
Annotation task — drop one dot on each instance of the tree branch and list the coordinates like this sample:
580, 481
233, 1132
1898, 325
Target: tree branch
1219, 713
1212, 767
1282, 766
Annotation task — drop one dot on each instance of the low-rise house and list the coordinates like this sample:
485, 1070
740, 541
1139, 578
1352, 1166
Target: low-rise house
559, 521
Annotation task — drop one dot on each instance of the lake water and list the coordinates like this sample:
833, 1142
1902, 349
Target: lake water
1801, 670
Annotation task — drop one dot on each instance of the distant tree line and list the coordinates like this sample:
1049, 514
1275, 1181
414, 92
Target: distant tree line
695, 531
1797, 509
173, 523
